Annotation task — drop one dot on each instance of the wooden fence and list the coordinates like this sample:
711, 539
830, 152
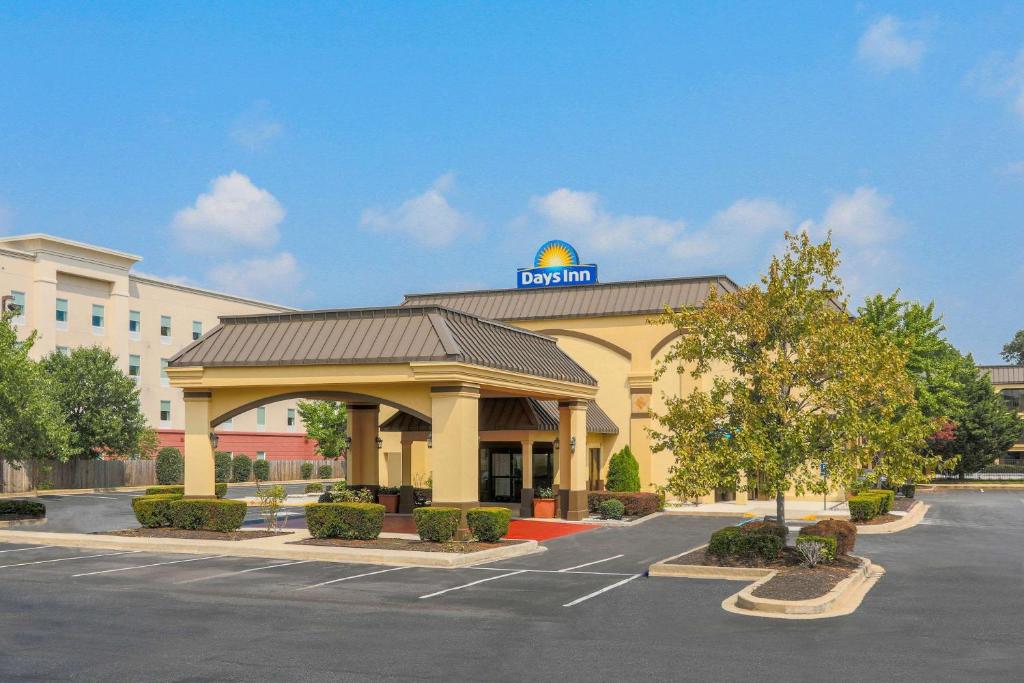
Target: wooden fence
102, 474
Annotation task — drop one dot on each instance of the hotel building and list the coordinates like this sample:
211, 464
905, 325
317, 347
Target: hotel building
1008, 381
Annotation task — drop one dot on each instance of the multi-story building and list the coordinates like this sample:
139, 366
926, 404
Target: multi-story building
1008, 381
74, 294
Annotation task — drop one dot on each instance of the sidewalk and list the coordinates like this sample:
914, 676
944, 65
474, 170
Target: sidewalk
795, 509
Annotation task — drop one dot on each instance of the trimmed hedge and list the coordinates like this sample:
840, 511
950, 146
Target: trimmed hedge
306, 470
864, 507
170, 466
886, 497
359, 521
241, 467
1002, 469
24, 508
488, 524
324, 472
219, 490
732, 541
844, 532
208, 515
636, 504
314, 488
261, 470
154, 510
222, 466
437, 524
829, 543
611, 509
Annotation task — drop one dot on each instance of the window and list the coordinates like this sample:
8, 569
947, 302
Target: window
19, 307
63, 350
135, 367
197, 330
228, 423
165, 413
165, 329
261, 418
61, 314
261, 455
291, 418
1014, 399
134, 324
165, 381
97, 318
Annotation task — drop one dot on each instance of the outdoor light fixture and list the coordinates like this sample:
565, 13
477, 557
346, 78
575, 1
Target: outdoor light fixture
556, 442
214, 440
348, 441
380, 443
430, 440
572, 444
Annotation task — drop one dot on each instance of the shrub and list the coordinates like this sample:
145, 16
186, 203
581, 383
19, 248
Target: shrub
324, 471
623, 472
770, 528
155, 510
844, 532
360, 521
437, 524
828, 545
488, 524
306, 470
208, 515
812, 552
422, 496
222, 466
908, 490
219, 490
314, 488
543, 492
723, 541
261, 470
22, 508
241, 467
886, 499
863, 507
170, 466
1002, 469
733, 541
611, 509
636, 504
388, 490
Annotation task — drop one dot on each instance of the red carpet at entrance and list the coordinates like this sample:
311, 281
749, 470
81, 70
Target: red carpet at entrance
518, 529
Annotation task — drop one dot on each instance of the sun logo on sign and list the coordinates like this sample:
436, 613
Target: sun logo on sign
556, 253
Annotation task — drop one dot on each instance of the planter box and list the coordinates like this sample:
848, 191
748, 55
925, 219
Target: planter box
544, 508
389, 501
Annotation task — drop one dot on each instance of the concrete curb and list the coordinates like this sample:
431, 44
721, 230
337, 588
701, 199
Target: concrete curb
911, 519
22, 522
276, 548
700, 571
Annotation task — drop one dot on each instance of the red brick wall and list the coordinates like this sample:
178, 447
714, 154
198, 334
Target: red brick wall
277, 445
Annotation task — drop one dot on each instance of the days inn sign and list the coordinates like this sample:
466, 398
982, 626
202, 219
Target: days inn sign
556, 265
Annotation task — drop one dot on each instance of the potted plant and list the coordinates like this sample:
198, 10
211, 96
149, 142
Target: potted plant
388, 497
544, 502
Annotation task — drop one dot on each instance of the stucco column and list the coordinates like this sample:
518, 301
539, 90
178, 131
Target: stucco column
572, 461
455, 420
406, 497
526, 498
641, 389
363, 420
199, 471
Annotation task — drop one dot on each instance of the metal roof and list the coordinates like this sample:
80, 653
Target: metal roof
638, 297
1004, 374
514, 414
379, 335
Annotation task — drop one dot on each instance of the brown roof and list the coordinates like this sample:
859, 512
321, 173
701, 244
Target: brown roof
639, 297
1004, 374
512, 414
379, 335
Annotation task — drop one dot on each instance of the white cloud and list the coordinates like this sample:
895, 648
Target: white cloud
736, 231
254, 129
1014, 170
863, 217
429, 218
567, 206
233, 213
999, 76
273, 278
885, 47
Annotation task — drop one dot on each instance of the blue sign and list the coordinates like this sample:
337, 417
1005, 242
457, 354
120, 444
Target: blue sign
824, 469
556, 265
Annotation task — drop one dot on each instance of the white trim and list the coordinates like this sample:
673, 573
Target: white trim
603, 590
150, 280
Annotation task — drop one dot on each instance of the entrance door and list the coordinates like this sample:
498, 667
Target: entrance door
501, 473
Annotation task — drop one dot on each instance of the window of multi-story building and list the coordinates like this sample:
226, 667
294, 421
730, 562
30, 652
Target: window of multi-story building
197, 330
63, 350
98, 318
291, 419
261, 455
19, 308
135, 325
135, 367
165, 329
228, 423
165, 381
165, 413
1014, 399
261, 418
61, 314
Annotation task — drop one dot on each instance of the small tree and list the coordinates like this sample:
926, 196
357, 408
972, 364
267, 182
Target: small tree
241, 467
623, 472
326, 423
306, 470
170, 466
985, 427
261, 470
222, 466
1013, 351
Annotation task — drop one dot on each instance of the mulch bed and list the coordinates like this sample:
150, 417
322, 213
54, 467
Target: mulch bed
164, 532
792, 581
406, 544
904, 504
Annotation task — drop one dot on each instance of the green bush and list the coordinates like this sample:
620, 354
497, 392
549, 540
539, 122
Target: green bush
829, 543
623, 472
208, 515
241, 467
735, 542
723, 541
170, 466
219, 490
637, 504
222, 466
360, 521
314, 488
22, 508
886, 498
437, 524
389, 490
306, 470
843, 531
488, 524
611, 509
996, 468
324, 471
863, 507
261, 470
154, 510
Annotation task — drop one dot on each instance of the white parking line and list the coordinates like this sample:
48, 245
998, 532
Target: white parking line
349, 578
18, 550
587, 564
143, 566
472, 583
65, 559
548, 571
603, 590
243, 571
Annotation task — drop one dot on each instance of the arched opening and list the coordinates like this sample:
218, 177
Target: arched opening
342, 396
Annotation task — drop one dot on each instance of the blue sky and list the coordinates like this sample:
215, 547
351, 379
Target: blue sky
327, 155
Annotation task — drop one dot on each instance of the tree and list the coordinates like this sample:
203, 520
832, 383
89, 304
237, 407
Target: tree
170, 466
623, 472
985, 427
796, 383
1013, 351
326, 423
31, 425
99, 402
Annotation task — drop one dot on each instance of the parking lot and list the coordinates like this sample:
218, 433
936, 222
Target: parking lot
947, 609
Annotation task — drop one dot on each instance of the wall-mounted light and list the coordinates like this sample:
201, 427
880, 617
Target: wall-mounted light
348, 441
214, 440
572, 444
380, 443
430, 440
556, 443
